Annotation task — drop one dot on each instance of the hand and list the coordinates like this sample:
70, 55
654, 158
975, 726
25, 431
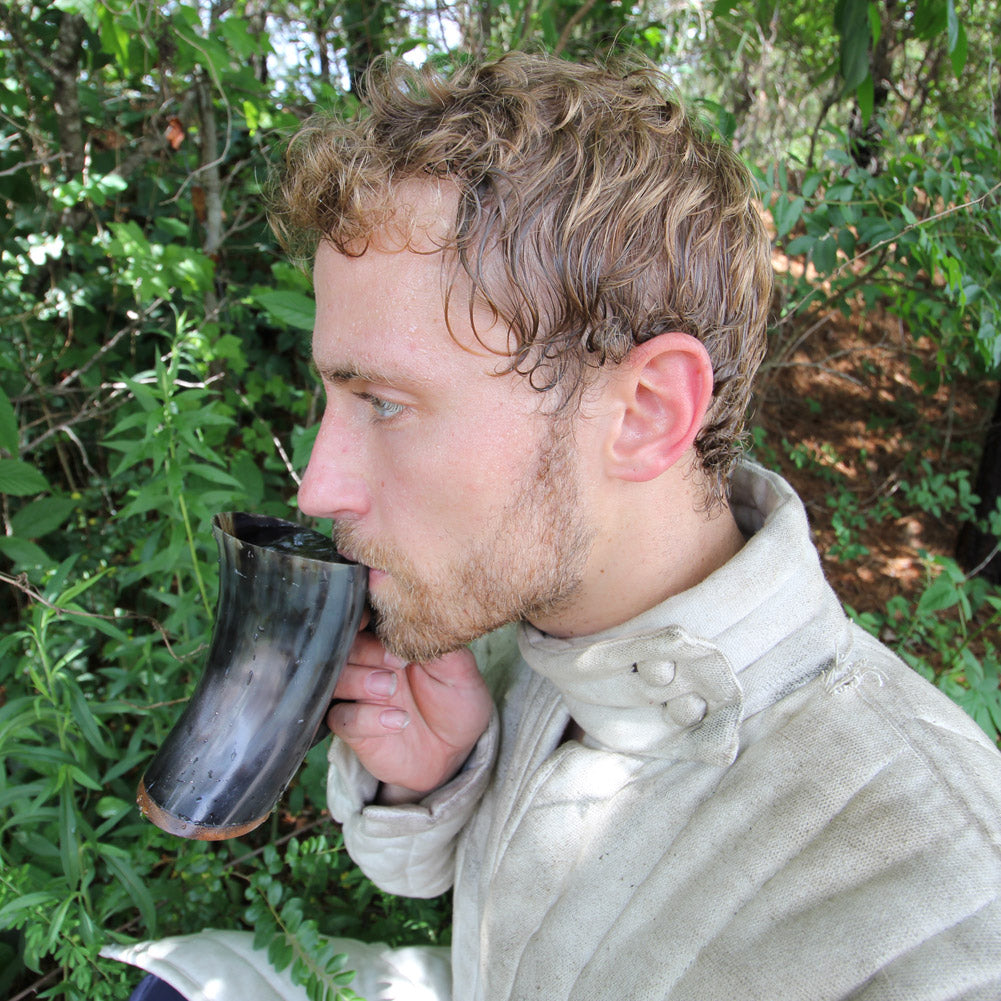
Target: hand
411, 725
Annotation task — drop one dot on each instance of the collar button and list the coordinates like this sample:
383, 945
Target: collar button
687, 710
656, 673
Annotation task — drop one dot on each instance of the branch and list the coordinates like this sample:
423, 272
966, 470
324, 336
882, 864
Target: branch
578, 15
889, 241
21, 584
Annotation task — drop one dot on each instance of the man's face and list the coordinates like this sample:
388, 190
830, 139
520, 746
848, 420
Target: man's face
441, 476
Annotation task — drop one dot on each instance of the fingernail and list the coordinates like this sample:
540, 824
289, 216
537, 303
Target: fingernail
381, 683
397, 663
393, 719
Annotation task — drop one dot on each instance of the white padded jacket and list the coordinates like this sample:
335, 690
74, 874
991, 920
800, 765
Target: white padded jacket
766, 804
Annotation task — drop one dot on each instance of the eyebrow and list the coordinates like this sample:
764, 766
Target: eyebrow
355, 373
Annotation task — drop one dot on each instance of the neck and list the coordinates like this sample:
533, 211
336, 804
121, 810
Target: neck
663, 544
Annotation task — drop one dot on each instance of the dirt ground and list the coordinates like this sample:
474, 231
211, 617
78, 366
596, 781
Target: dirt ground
843, 386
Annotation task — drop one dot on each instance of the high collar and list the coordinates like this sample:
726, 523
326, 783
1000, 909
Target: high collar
677, 681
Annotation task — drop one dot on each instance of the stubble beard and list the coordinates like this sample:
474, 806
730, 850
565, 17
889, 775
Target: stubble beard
528, 566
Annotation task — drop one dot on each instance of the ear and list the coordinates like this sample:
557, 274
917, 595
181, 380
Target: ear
662, 392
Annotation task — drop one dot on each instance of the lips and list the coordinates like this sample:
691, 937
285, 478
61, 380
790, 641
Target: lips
352, 558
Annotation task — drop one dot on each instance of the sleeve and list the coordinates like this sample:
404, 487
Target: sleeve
410, 849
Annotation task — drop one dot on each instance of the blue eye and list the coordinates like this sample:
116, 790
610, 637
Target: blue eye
384, 409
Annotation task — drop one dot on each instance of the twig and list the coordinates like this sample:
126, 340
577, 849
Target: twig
281, 841
889, 241
578, 15
283, 455
21, 583
130, 328
980, 566
32, 989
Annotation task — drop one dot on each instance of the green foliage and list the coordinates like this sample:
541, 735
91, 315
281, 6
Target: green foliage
955, 622
948, 629
921, 237
296, 901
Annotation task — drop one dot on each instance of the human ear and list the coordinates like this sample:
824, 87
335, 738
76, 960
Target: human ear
662, 392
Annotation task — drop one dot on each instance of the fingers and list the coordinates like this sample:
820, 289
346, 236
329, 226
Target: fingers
368, 650
363, 684
371, 671
354, 721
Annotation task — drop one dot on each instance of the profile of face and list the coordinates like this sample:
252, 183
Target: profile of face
443, 476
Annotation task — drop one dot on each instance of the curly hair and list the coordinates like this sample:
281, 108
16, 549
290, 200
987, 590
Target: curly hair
614, 217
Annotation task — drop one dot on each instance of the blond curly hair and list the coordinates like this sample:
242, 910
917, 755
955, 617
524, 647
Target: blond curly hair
615, 218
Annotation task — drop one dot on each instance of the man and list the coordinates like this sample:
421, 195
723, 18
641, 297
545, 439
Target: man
541, 299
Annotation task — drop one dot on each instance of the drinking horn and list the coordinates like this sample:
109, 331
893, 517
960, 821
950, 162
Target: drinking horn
288, 611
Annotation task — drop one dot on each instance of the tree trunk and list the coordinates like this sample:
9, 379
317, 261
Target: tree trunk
976, 549
66, 96
364, 26
210, 177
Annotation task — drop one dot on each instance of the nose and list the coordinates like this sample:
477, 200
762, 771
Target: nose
333, 485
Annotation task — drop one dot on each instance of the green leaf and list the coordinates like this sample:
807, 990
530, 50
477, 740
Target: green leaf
20, 478
213, 474
786, 213
957, 54
85, 719
865, 95
9, 437
288, 307
852, 22
942, 593
69, 844
134, 887
27, 901
952, 24
825, 255
875, 24
801, 245
280, 953
42, 516
930, 18
26, 555
114, 37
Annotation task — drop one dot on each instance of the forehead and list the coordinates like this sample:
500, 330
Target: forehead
383, 313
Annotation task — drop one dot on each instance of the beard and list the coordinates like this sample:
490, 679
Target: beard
528, 564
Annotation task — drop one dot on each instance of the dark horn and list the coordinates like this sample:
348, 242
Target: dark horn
289, 608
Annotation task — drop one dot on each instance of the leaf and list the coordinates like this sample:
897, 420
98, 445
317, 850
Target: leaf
801, 245
69, 844
865, 95
957, 54
9, 437
25, 902
26, 555
19, 479
952, 25
291, 308
114, 37
825, 255
213, 474
930, 18
852, 22
875, 24
42, 516
280, 952
134, 887
85, 720
939, 595
786, 213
